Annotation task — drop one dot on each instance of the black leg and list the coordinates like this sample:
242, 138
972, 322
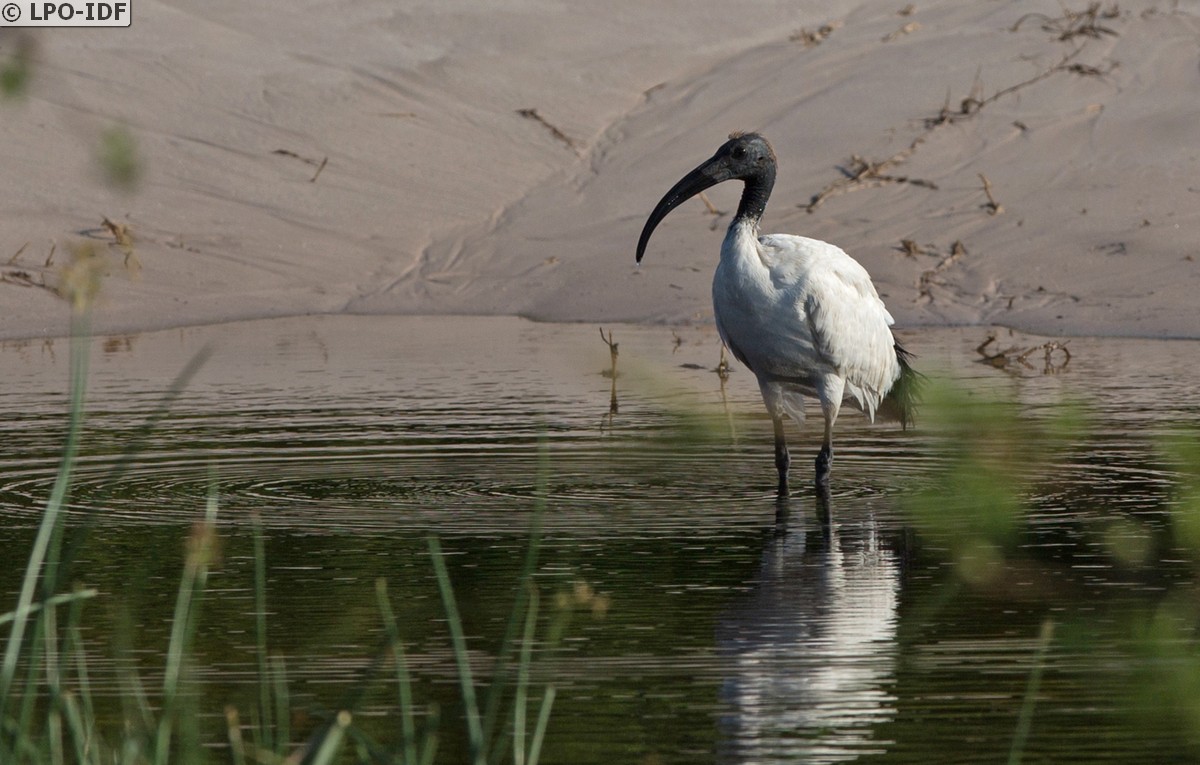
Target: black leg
824, 467
782, 459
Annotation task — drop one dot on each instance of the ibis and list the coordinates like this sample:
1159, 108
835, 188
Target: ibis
800, 313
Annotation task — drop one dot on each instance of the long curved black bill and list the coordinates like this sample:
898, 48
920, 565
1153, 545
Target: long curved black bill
706, 176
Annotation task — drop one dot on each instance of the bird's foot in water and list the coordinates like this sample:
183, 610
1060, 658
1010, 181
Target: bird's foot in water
824, 468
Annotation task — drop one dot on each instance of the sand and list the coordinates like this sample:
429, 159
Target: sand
471, 158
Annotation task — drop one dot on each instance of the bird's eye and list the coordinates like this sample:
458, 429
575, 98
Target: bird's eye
739, 152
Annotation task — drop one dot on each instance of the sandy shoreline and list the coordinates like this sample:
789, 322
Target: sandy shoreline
501, 160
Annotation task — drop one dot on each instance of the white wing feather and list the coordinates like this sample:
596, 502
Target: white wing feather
816, 314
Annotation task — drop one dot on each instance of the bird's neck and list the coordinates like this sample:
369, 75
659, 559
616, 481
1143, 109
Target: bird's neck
755, 195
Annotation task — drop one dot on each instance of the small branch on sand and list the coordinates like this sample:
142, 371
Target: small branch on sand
712, 210
993, 207
10, 273
319, 164
907, 29
928, 279
1072, 24
971, 105
864, 174
123, 239
320, 167
532, 114
809, 39
17, 254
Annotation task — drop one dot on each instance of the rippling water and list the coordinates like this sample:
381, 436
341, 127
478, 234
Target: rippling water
730, 635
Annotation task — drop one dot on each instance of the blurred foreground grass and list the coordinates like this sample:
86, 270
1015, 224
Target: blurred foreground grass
977, 516
16, 62
48, 712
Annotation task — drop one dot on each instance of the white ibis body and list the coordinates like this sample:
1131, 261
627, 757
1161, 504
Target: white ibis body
800, 313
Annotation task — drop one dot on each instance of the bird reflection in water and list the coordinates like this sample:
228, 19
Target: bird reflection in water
811, 649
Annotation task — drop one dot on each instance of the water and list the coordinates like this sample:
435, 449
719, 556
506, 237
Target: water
717, 632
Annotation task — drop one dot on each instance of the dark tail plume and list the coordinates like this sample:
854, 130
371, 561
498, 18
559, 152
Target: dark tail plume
901, 401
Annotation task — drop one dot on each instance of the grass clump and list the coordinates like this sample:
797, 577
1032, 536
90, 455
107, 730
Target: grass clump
118, 158
975, 509
16, 67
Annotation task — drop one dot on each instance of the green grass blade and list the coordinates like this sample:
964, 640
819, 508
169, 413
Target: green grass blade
29, 696
408, 728
523, 671
474, 728
49, 647
1025, 720
83, 714
331, 743
283, 731
183, 625
266, 738
133, 694
539, 733
233, 732
432, 719
81, 730
57, 600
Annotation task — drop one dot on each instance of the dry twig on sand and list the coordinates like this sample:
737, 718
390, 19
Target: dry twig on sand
809, 38
1072, 24
17, 254
123, 239
532, 114
972, 105
319, 164
993, 207
928, 278
864, 174
712, 210
907, 29
11, 273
